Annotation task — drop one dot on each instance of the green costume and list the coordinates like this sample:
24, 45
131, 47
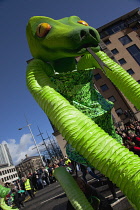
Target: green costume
77, 87
3, 192
64, 90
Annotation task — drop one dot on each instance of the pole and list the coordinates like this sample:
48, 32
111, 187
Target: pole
59, 152
28, 125
55, 147
52, 146
40, 134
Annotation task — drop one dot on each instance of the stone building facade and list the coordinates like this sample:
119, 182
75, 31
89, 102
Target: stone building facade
28, 166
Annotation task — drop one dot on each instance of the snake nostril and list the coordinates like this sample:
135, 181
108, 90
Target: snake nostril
82, 33
92, 33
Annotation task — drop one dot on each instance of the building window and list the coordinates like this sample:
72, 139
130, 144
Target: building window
125, 39
112, 98
103, 34
122, 61
135, 52
104, 87
115, 51
120, 25
107, 41
119, 111
130, 71
97, 76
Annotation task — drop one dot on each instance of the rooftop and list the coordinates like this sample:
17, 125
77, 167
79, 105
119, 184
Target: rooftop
27, 159
122, 18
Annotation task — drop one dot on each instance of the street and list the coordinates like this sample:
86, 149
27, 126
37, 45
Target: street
51, 197
54, 198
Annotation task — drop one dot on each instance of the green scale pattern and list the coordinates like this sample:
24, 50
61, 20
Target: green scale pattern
78, 88
56, 52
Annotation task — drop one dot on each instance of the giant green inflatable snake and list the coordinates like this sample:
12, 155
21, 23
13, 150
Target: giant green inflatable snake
64, 90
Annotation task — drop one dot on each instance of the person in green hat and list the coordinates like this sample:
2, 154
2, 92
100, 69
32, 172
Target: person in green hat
3, 192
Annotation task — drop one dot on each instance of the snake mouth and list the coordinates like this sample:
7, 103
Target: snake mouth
83, 48
89, 45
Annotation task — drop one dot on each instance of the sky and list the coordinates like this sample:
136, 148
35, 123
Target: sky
16, 102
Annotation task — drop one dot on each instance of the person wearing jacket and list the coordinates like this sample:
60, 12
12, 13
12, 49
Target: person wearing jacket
28, 187
18, 198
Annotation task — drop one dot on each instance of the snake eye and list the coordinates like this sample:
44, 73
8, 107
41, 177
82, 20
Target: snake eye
43, 29
83, 22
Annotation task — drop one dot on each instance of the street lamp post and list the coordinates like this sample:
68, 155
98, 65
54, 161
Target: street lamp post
55, 153
28, 125
44, 143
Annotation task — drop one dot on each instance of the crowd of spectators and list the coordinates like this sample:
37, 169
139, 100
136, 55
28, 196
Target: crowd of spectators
131, 136
28, 185
43, 177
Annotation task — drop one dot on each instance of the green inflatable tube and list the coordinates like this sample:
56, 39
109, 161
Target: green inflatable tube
100, 149
120, 78
72, 190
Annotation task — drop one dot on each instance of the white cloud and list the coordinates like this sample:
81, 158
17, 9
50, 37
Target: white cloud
19, 150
